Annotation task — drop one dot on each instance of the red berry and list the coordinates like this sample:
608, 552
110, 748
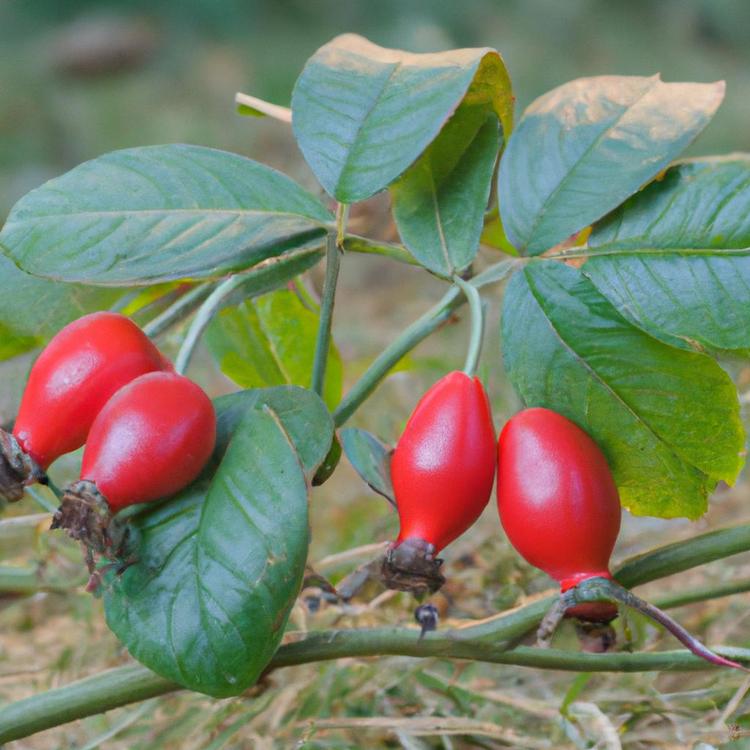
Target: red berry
151, 439
77, 373
444, 464
557, 500
442, 472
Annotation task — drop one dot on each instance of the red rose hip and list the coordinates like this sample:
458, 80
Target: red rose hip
152, 438
558, 502
79, 370
442, 472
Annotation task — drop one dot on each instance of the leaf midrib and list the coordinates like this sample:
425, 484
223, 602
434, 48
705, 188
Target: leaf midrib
600, 379
157, 211
596, 142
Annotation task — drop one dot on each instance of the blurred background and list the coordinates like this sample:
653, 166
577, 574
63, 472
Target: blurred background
82, 77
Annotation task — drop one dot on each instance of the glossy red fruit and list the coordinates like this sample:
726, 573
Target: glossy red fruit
444, 464
151, 439
442, 472
558, 502
77, 373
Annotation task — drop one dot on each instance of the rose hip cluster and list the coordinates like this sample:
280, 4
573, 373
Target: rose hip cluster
148, 431
554, 484
557, 500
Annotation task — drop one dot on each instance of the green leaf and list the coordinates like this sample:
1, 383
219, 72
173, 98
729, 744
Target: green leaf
439, 202
675, 258
158, 213
12, 344
219, 566
493, 234
362, 113
583, 148
271, 341
371, 459
32, 309
667, 419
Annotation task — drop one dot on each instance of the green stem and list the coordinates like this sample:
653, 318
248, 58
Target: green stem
18, 533
342, 216
309, 298
132, 683
102, 692
683, 555
353, 243
54, 489
417, 332
207, 310
16, 580
323, 342
122, 302
178, 310
43, 502
485, 640
605, 589
387, 359
690, 596
477, 325
649, 566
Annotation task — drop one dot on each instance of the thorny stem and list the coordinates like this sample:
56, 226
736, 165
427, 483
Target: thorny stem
477, 325
178, 310
207, 310
484, 640
323, 342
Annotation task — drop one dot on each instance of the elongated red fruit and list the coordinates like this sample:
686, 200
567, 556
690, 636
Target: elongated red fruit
442, 472
79, 370
558, 502
151, 439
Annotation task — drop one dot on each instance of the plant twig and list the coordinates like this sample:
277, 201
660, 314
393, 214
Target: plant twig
484, 640
177, 310
283, 114
353, 243
683, 555
417, 332
323, 342
206, 312
477, 325
132, 683
390, 356
613, 590
692, 595
39, 498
